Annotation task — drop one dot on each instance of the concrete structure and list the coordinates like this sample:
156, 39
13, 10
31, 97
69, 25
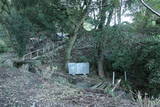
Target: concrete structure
78, 68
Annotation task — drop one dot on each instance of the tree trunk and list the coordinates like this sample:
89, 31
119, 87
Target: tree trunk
100, 66
100, 61
119, 12
69, 50
75, 34
110, 17
101, 25
71, 44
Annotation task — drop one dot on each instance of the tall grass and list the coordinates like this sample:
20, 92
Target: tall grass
147, 102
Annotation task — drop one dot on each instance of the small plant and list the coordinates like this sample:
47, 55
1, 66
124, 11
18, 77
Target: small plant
109, 91
146, 101
19, 30
3, 46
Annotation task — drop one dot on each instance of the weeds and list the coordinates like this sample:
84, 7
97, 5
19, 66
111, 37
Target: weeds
146, 101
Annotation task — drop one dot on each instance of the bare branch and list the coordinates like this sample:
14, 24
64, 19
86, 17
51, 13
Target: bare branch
150, 8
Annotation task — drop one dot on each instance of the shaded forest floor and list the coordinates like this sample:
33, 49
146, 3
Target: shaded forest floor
24, 89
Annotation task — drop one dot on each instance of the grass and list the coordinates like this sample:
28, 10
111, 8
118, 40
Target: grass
147, 101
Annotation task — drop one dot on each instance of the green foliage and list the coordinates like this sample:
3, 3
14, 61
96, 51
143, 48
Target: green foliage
109, 35
151, 30
133, 53
19, 29
3, 46
22, 4
141, 60
155, 4
109, 91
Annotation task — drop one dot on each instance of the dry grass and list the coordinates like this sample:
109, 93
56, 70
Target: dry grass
147, 102
24, 89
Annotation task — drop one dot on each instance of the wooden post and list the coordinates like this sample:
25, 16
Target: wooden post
23, 58
30, 55
53, 46
43, 51
37, 53
125, 75
113, 79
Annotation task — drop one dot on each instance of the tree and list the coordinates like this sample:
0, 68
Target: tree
101, 35
20, 30
17, 26
76, 12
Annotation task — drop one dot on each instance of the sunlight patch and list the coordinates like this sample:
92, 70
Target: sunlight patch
88, 26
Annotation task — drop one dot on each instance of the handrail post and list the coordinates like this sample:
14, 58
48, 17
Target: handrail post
43, 50
23, 58
31, 56
37, 53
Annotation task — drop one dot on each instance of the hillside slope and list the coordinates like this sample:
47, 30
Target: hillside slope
24, 89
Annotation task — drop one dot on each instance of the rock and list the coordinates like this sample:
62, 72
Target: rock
83, 85
48, 71
47, 74
48, 68
37, 62
54, 68
24, 68
32, 69
33, 105
20, 63
8, 62
122, 94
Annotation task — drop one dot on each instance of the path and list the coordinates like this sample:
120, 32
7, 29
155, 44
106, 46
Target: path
25, 89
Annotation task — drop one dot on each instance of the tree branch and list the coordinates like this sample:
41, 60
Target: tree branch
151, 9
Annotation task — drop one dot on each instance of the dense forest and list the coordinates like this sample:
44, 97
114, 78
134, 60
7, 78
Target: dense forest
119, 39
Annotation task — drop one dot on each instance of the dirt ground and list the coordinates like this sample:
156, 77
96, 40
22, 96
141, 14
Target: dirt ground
24, 89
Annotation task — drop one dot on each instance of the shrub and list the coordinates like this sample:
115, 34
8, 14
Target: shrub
142, 61
3, 46
19, 29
